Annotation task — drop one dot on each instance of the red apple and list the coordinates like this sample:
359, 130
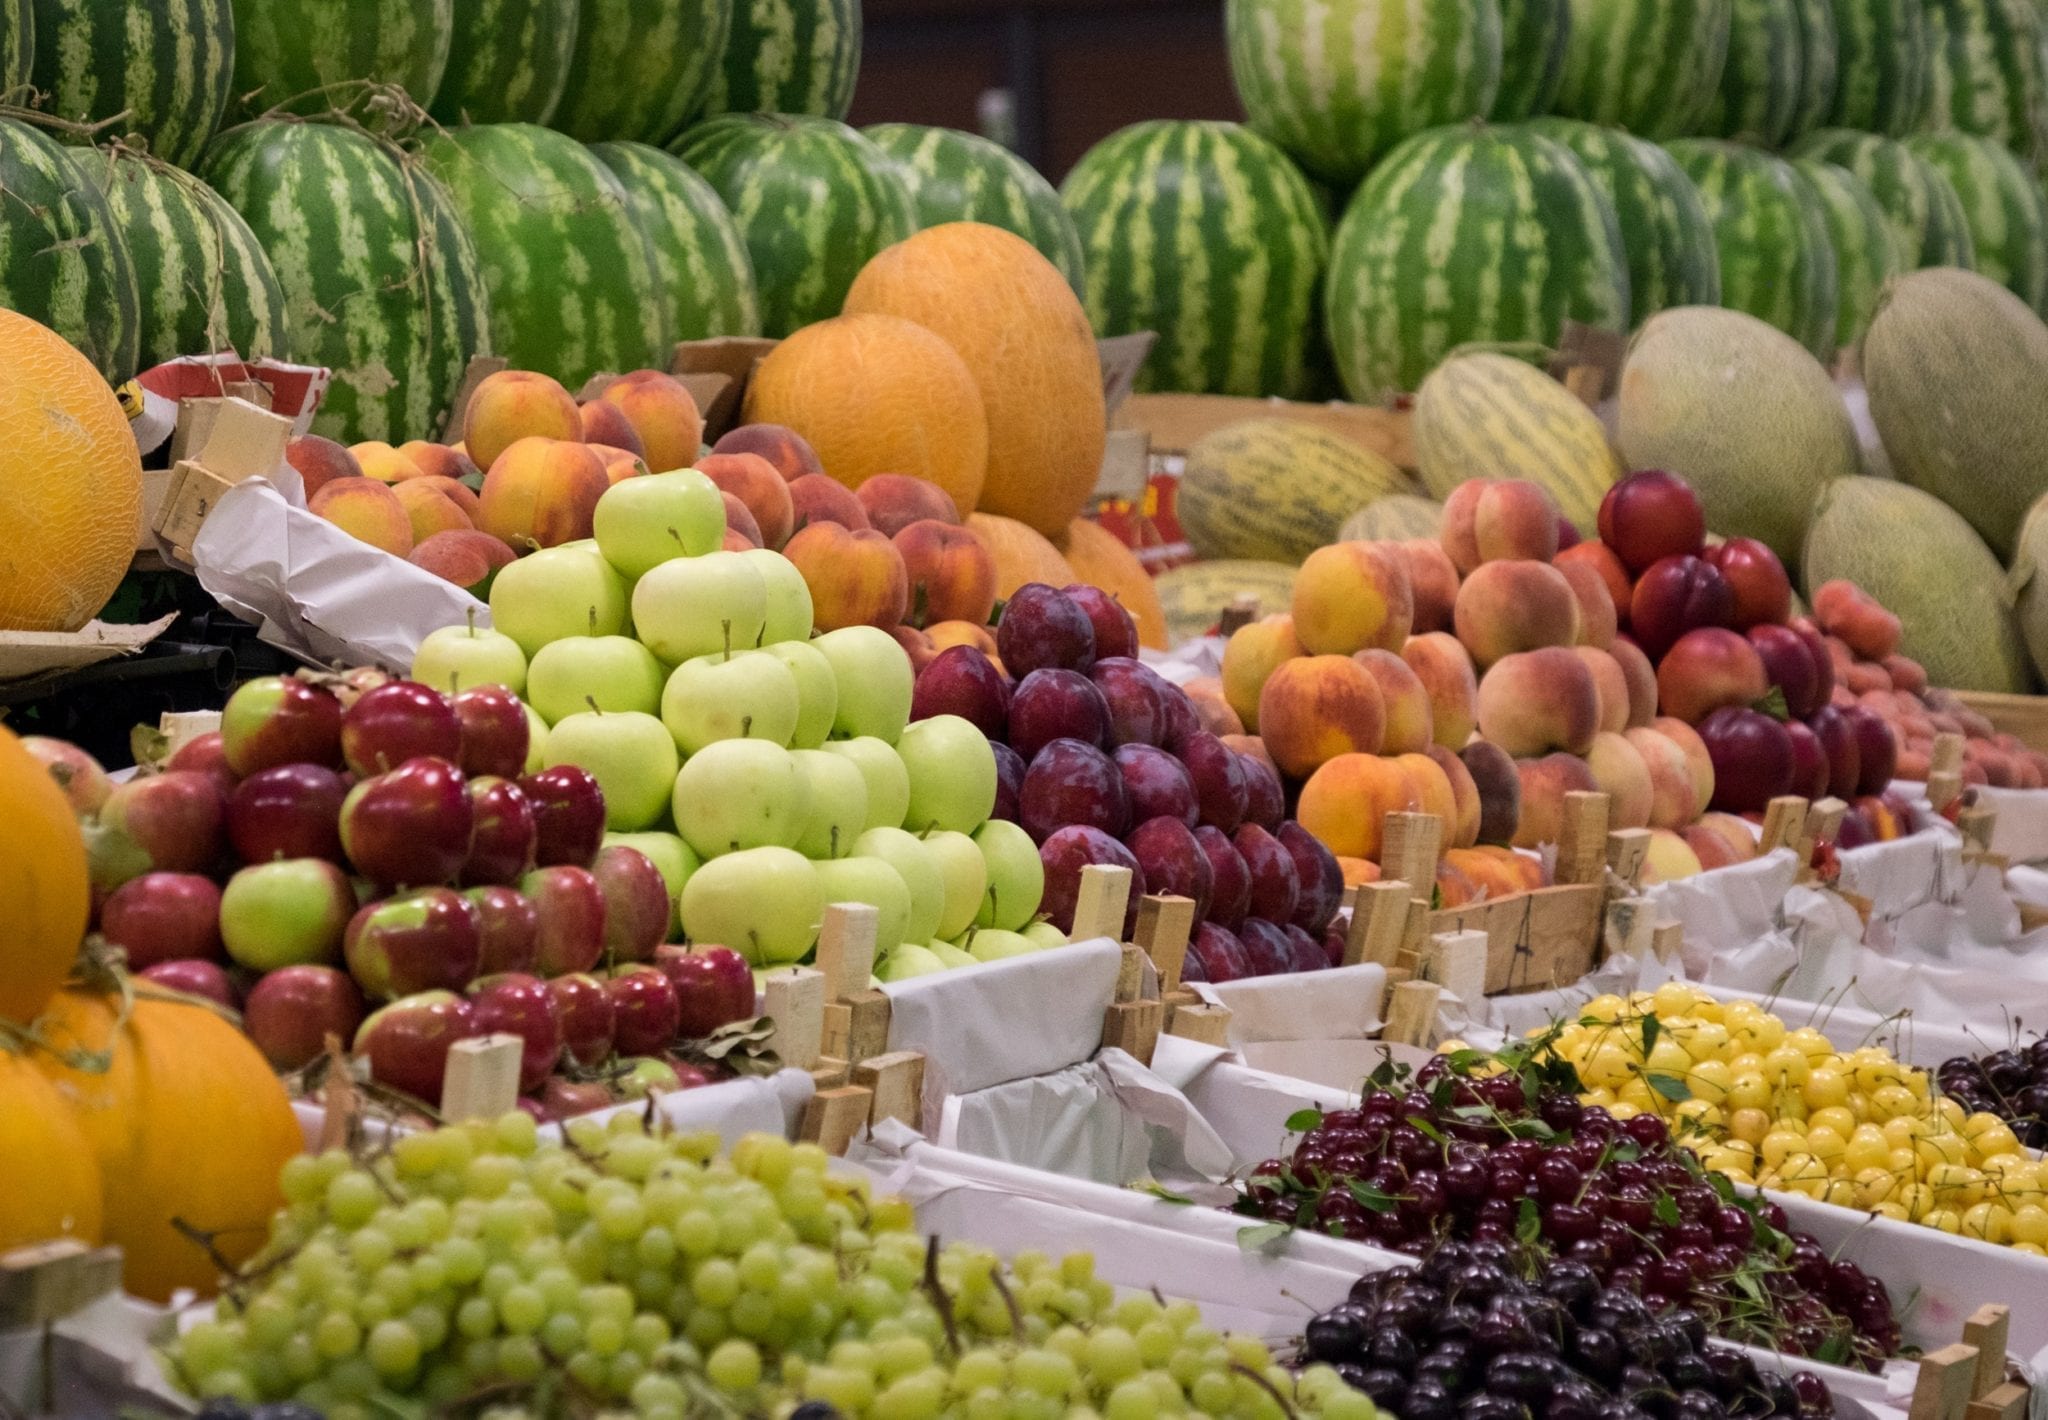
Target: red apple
424, 941
513, 1003
1652, 515
637, 907
1763, 593
292, 1011
562, 1099
203, 754
646, 1010
586, 1013
411, 827
508, 930
714, 987
290, 811
161, 917
1676, 595
407, 1042
169, 822
1843, 748
501, 849
396, 722
1752, 756
280, 719
495, 731
570, 905
1788, 663
568, 813
78, 774
204, 979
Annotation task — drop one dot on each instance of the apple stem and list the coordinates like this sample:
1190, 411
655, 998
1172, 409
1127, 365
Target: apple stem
727, 625
677, 538
746, 726
591, 701
593, 621
835, 840
471, 614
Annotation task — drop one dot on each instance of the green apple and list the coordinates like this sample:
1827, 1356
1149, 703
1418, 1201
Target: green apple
291, 912
910, 960
949, 954
1016, 875
920, 872
888, 781
875, 682
693, 606
748, 696
558, 592
630, 755
764, 903
839, 804
643, 522
674, 859
964, 872
789, 597
993, 944
536, 741
880, 886
1044, 933
740, 794
952, 775
608, 673
817, 691
457, 658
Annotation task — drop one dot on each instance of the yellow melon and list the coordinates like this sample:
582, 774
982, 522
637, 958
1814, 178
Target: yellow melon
1100, 559
1020, 553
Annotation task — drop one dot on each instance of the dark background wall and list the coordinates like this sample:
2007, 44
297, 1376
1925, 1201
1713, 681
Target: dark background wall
1074, 70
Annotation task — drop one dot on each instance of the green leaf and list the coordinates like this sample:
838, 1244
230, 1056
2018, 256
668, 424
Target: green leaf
1532, 1129
1723, 1186
1370, 1198
1259, 1235
1303, 1120
1462, 1061
1625, 1150
1773, 704
1669, 1086
1746, 1283
1652, 1028
1528, 1223
1835, 1351
1153, 1188
1427, 1129
1666, 1211
1386, 1074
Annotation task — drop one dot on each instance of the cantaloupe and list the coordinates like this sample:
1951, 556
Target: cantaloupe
1919, 558
1395, 518
1957, 369
1021, 554
1194, 596
1277, 489
1100, 559
2027, 583
1741, 411
1481, 414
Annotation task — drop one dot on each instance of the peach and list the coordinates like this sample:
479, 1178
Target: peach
440, 460
1669, 859
1345, 803
1460, 533
821, 498
1706, 669
1249, 656
1454, 888
1674, 800
541, 492
384, 463
663, 412
1314, 708
1444, 667
1597, 619
1734, 832
1622, 775
1352, 595
1545, 782
754, 481
1709, 847
789, 451
1844, 609
1611, 685
430, 510
856, 578
893, 501
1357, 871
468, 558
1536, 701
916, 644
739, 520
1433, 580
513, 405
455, 491
1515, 520
1697, 759
735, 540
948, 634
1251, 746
367, 511
1641, 677
618, 463
1410, 718
952, 576
1464, 832
1505, 607
606, 423
1500, 790
1600, 557
1213, 711
320, 461
1433, 791
1492, 878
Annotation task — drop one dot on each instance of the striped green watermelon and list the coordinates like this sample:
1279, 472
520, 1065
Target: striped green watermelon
164, 64
1650, 66
518, 76
1882, 61
2003, 205
1866, 257
1207, 234
17, 42
570, 271
1985, 75
789, 56
1819, 66
1665, 233
1533, 37
1776, 261
203, 280
380, 281
962, 177
1761, 83
1337, 83
812, 197
62, 260
700, 259
1466, 234
641, 68
310, 58
1928, 225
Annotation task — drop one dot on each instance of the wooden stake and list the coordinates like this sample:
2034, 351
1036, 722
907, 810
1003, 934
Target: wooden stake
1133, 1027
49, 1281
1977, 824
1626, 850
897, 1083
834, 1118
1165, 923
1411, 1013
1667, 941
1415, 933
1242, 612
1457, 962
1989, 1330
1378, 922
1207, 1024
795, 1001
846, 948
1943, 1389
2001, 1402
1784, 817
1130, 975
180, 727
482, 1080
1628, 928
1099, 906
1409, 851
857, 1027
1582, 840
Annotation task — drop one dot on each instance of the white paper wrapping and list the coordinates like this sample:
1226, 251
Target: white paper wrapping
1336, 1005
2021, 833
97, 1361
1726, 908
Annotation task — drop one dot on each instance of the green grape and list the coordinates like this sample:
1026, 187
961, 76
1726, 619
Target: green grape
1131, 1400
588, 1369
753, 1315
522, 1309
430, 1320
301, 1180
520, 1359
605, 1335
336, 1336
623, 1369
1112, 1355
716, 1282
516, 1133
352, 1198
561, 1333
393, 1348
655, 1246
919, 1396
734, 1366
476, 1319
647, 1333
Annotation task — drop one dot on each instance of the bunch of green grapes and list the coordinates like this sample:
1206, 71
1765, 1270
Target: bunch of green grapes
629, 1272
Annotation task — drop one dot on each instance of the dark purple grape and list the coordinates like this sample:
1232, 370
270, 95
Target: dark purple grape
1484, 1406
1387, 1388
1425, 1401
1337, 1335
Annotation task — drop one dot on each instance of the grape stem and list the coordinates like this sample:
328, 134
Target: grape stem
940, 1301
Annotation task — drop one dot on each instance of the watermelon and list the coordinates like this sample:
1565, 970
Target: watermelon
1533, 36
641, 68
1928, 225
961, 177
1650, 66
788, 56
203, 281
519, 75
62, 260
1762, 83
1207, 234
1665, 233
380, 281
1465, 234
2003, 206
164, 64
1776, 261
570, 271
17, 42
1985, 74
289, 54
1819, 66
1866, 257
1881, 66
700, 259
813, 199
1338, 83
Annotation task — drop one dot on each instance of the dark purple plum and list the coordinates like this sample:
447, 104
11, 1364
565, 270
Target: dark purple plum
1136, 699
1266, 947
1265, 802
1222, 955
1158, 784
1043, 629
962, 681
1218, 773
1173, 860
1065, 854
1009, 781
1115, 633
1069, 784
1230, 893
1276, 888
1056, 705
1320, 880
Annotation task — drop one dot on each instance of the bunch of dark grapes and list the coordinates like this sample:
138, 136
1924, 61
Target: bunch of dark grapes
1464, 1335
1516, 1159
2011, 1083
